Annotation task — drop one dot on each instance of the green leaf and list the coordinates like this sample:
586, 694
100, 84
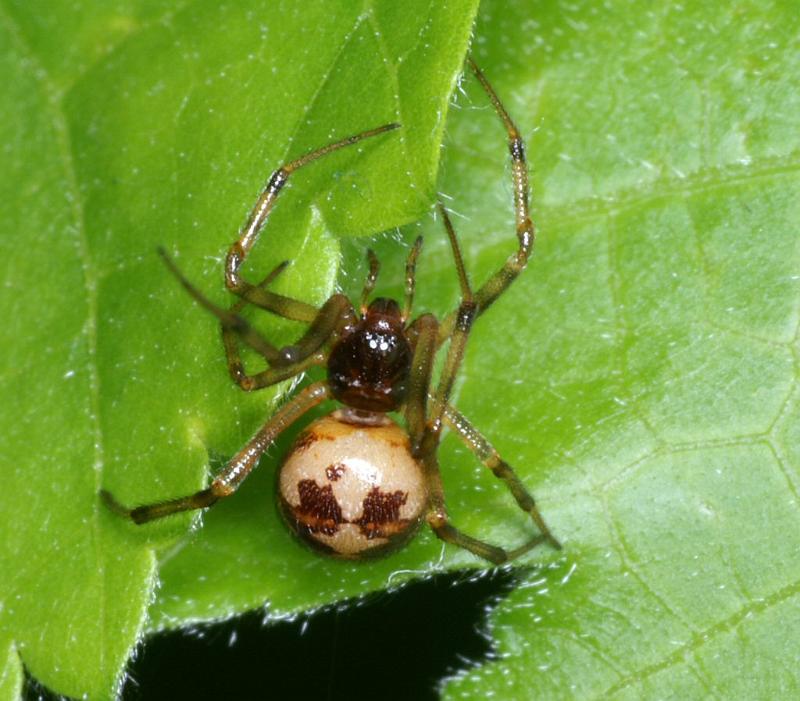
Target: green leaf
127, 127
641, 375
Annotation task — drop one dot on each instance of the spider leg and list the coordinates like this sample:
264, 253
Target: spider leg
493, 553
439, 520
285, 306
277, 270
229, 319
423, 336
235, 472
515, 264
424, 447
230, 341
372, 277
297, 357
425, 330
411, 273
332, 316
489, 456
427, 448
464, 317
286, 362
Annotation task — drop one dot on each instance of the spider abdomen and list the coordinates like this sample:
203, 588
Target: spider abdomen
352, 490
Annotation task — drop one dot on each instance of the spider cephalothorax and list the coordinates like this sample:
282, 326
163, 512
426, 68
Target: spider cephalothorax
368, 366
356, 484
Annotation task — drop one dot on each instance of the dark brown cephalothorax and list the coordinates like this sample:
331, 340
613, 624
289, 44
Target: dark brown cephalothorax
356, 484
368, 366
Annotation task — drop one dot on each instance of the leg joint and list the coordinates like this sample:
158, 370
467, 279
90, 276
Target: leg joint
218, 490
499, 467
517, 149
466, 315
247, 383
438, 521
232, 263
277, 181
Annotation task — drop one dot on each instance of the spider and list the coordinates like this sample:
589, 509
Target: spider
355, 484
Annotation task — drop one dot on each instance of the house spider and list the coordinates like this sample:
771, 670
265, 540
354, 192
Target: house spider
356, 484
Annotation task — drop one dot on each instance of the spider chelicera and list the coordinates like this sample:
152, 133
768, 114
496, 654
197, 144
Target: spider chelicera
356, 484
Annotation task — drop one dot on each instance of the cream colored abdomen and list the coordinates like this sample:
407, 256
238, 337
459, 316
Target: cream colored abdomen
352, 488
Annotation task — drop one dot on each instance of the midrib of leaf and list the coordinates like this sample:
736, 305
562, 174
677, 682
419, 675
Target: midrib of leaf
391, 70
297, 129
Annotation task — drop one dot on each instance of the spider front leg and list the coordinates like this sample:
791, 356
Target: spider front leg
239, 467
515, 264
255, 294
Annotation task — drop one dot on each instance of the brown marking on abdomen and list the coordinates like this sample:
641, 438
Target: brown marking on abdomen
380, 516
318, 511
